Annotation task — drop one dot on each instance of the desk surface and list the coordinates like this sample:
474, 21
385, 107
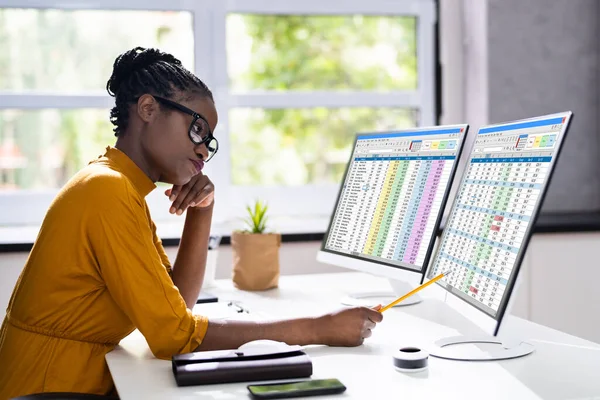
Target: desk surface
562, 366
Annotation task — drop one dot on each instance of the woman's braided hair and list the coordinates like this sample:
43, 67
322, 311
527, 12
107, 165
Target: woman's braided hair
139, 71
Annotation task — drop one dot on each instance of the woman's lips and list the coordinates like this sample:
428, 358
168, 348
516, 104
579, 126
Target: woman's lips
198, 164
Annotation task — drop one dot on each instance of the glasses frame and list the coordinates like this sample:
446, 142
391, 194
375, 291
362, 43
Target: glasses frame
196, 116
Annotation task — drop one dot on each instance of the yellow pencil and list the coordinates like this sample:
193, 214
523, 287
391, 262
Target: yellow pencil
407, 295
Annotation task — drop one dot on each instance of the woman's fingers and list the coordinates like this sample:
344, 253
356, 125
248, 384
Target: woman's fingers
173, 192
199, 192
191, 198
202, 198
179, 197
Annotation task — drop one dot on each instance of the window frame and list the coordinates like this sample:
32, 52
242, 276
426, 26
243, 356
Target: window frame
28, 207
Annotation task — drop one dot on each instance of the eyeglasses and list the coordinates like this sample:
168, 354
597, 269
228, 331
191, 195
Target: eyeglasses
199, 132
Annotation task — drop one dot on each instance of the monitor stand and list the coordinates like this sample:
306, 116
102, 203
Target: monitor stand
371, 299
464, 348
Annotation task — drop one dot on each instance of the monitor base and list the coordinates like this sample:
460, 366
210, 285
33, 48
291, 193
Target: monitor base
445, 348
371, 299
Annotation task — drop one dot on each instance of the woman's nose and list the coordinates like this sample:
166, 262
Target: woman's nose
202, 151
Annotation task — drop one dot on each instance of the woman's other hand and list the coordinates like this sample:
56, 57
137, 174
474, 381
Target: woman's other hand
198, 192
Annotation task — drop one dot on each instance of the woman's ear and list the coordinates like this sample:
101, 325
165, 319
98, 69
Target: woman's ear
147, 108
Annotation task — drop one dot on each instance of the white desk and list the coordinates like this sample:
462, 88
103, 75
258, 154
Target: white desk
562, 367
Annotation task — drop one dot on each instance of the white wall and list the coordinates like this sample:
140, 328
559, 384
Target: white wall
563, 285
558, 287
294, 258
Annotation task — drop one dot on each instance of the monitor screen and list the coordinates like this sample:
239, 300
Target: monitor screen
390, 202
491, 218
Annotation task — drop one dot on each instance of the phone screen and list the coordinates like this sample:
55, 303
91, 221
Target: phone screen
317, 386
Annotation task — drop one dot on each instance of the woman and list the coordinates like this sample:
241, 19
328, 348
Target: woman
97, 270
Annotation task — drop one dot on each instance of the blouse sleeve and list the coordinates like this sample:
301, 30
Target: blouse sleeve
160, 249
135, 275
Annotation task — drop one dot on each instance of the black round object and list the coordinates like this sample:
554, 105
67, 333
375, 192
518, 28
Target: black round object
410, 359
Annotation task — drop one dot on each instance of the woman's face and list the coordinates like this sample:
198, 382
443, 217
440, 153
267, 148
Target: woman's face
169, 147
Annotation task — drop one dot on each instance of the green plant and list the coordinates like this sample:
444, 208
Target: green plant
257, 220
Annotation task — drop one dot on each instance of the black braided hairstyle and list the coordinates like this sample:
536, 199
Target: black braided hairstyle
140, 71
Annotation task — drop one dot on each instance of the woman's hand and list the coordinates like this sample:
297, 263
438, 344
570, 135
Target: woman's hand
198, 192
348, 327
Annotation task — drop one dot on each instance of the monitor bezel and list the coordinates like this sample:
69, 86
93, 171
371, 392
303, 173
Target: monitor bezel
485, 321
391, 270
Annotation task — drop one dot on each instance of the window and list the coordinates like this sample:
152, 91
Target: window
293, 82
67, 51
321, 52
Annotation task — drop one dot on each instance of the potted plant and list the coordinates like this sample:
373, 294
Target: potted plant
255, 252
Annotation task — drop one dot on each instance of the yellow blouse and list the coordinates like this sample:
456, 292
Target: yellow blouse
96, 272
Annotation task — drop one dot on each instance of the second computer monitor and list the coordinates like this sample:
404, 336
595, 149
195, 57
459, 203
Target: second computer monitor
391, 200
492, 217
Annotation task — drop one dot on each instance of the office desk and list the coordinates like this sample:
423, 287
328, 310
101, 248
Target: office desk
562, 367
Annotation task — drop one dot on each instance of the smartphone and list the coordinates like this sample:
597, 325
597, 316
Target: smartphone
287, 390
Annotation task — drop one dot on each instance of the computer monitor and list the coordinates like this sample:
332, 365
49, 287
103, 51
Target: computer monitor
389, 206
490, 224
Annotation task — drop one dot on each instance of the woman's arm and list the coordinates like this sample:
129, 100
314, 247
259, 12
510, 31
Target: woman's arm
197, 197
188, 271
226, 334
347, 327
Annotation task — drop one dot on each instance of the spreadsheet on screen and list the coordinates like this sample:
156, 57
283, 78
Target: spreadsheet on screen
392, 194
495, 203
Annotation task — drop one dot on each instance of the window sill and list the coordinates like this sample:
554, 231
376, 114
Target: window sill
292, 229
296, 229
